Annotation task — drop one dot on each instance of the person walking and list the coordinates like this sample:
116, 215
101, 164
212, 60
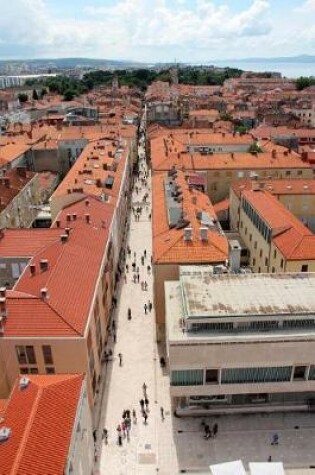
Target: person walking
145, 253
146, 402
105, 436
275, 439
134, 416
114, 336
127, 268
144, 387
129, 313
95, 435
162, 413
215, 429
142, 260
149, 269
123, 428
145, 308
120, 359
150, 306
138, 278
142, 405
145, 417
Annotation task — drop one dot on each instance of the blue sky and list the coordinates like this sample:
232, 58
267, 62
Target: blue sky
157, 30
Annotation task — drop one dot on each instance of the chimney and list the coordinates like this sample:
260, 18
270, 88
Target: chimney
67, 231
235, 256
21, 171
203, 233
43, 264
3, 292
64, 238
74, 216
188, 234
44, 293
58, 223
33, 269
87, 218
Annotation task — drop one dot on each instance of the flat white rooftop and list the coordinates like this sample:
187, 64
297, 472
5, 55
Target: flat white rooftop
266, 468
228, 468
227, 295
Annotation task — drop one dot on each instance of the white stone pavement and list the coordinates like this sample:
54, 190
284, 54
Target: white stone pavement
168, 446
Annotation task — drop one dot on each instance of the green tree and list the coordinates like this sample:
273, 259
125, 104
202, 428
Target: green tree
43, 92
35, 95
22, 97
69, 94
226, 117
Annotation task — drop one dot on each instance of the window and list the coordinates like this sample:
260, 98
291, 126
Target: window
255, 245
50, 370
245, 231
256, 375
241, 224
250, 237
304, 268
34, 370
273, 270
275, 254
25, 355
47, 354
212, 376
299, 373
259, 270
266, 261
254, 261
281, 263
287, 173
193, 377
299, 172
260, 253
24, 370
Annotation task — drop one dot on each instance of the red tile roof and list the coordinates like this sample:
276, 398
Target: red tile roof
294, 240
26, 242
73, 270
278, 187
41, 419
168, 243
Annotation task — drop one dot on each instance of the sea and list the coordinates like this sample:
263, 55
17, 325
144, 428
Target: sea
288, 70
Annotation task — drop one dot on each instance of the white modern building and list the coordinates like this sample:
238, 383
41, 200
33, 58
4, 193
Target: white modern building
240, 342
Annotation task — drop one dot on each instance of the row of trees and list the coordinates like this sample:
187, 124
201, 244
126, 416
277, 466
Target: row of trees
141, 78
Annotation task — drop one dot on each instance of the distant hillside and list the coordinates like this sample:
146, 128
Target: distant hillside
303, 58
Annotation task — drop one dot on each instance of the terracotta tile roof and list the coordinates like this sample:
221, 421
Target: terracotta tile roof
169, 148
222, 206
3, 405
16, 180
10, 152
294, 240
168, 244
69, 298
99, 161
277, 187
41, 418
26, 242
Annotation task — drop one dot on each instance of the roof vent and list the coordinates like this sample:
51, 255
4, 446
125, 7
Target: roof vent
33, 269
188, 234
43, 264
64, 238
204, 234
24, 382
44, 293
5, 433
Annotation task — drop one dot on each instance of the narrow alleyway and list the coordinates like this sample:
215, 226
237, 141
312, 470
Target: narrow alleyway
136, 342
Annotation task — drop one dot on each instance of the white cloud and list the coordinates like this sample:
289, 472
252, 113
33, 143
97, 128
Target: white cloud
129, 26
307, 6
